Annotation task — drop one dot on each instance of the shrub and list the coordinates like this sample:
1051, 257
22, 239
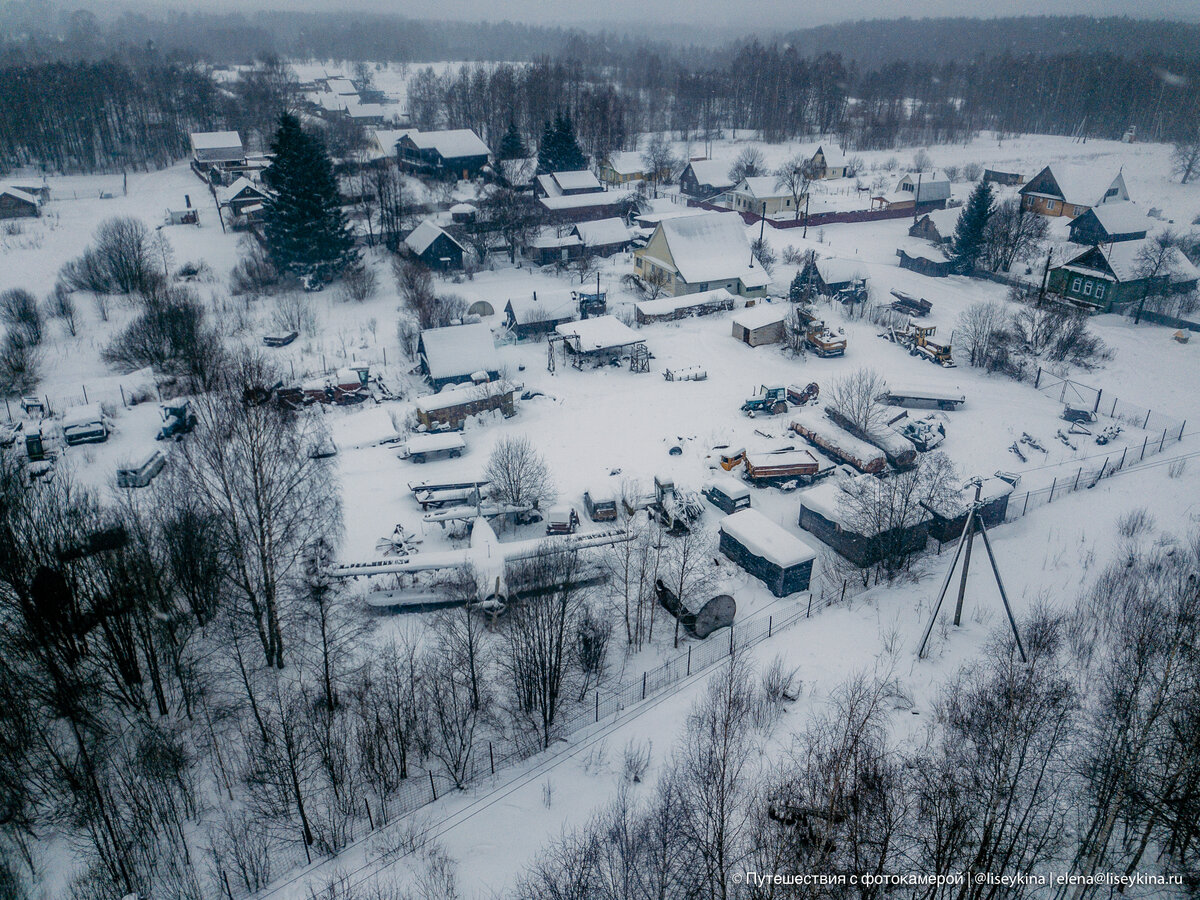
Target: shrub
19, 310
171, 336
119, 261
254, 273
19, 364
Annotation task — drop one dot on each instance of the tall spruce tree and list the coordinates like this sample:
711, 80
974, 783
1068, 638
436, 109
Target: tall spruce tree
970, 230
571, 155
548, 150
305, 227
512, 145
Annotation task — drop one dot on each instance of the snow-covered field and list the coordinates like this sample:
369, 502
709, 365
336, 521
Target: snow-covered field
590, 423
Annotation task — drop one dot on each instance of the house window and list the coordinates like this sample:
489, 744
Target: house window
1087, 288
1111, 192
1078, 211
1100, 291
1076, 283
1051, 204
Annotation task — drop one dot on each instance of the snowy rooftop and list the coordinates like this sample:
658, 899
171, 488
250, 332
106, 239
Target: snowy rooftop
386, 139
459, 349
576, 201
1126, 261
762, 187
959, 502
664, 306
712, 247
82, 415
458, 396
828, 499
761, 315
544, 306
225, 194
602, 232
341, 86
424, 235
452, 144
215, 140
549, 237
18, 193
364, 428
837, 271
600, 333
731, 487
1121, 218
762, 537
711, 172
834, 157
814, 419
432, 443
626, 162
1083, 185
582, 180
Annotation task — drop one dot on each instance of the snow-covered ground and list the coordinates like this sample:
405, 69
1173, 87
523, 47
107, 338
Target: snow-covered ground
591, 423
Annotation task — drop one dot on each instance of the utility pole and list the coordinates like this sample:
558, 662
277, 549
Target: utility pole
806, 198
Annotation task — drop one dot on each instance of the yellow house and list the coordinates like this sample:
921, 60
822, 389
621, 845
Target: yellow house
1062, 190
703, 252
622, 167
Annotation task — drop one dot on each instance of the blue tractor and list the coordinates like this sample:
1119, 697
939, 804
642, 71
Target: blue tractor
178, 420
771, 400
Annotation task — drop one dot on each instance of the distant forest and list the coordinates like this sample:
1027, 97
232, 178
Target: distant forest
78, 93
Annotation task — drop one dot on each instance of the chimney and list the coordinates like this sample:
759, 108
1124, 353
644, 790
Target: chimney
187, 200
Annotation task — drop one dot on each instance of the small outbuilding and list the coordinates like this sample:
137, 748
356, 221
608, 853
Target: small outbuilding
603, 237
452, 355
727, 494
215, 147
775, 556
18, 204
829, 276
453, 406
950, 514
665, 309
761, 324
1002, 177
457, 153
435, 247
550, 246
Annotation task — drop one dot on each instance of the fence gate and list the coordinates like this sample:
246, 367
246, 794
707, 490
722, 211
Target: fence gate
1067, 390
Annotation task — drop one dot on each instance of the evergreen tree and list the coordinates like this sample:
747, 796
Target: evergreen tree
512, 145
548, 150
571, 157
971, 228
305, 227
798, 291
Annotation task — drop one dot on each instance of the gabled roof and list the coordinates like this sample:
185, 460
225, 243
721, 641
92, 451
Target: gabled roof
712, 173
225, 194
341, 86
761, 315
763, 538
1120, 218
602, 232
573, 201
459, 350
712, 247
834, 157
626, 162
452, 144
665, 306
215, 140
425, 234
19, 194
547, 306
1079, 185
762, 187
1124, 261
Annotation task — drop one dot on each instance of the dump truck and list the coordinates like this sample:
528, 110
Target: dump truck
771, 400
819, 338
800, 396
918, 339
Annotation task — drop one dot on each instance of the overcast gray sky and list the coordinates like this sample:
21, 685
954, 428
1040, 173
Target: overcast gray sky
720, 14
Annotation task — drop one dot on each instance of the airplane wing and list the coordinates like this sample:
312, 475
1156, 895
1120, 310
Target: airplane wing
589, 539
421, 562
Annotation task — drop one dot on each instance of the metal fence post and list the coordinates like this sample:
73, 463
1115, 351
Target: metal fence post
1052, 484
689, 664
1025, 508
491, 756
731, 640
1162, 440
597, 705
770, 623
1121, 464
1144, 440
1181, 425
432, 786
644, 685
1146, 424
1114, 409
1075, 486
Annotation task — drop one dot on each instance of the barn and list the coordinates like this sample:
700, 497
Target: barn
666, 309
761, 324
453, 406
778, 558
434, 246
456, 353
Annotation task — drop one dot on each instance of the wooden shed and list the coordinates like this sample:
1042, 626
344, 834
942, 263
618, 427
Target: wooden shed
452, 407
665, 309
761, 324
775, 556
17, 204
